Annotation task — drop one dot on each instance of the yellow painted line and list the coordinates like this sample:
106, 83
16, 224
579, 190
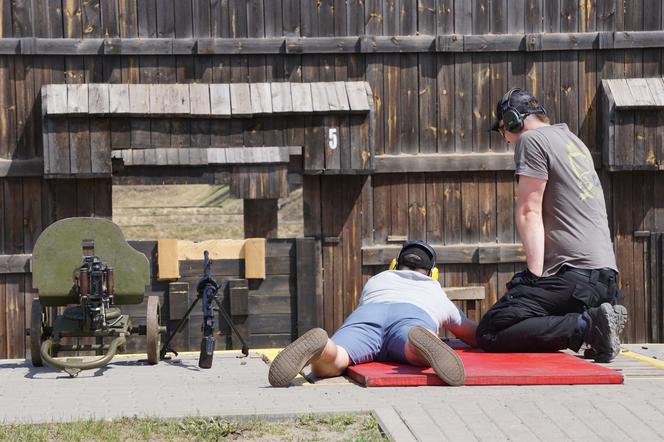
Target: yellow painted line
648, 360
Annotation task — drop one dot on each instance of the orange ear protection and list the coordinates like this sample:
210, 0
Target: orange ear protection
433, 272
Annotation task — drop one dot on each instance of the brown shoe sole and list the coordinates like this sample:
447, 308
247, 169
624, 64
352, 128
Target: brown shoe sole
442, 358
292, 359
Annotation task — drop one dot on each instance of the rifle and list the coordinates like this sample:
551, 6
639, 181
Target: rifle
207, 289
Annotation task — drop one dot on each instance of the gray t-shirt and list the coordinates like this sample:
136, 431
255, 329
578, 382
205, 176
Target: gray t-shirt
574, 213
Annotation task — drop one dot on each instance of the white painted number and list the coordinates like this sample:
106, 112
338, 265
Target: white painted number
332, 140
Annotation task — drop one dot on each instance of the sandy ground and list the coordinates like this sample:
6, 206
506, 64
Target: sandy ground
193, 212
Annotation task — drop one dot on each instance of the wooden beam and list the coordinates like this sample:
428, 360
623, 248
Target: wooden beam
241, 45
10, 46
443, 162
138, 46
465, 293
67, 46
18, 168
350, 44
450, 254
15, 264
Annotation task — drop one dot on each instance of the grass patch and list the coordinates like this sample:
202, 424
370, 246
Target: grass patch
344, 427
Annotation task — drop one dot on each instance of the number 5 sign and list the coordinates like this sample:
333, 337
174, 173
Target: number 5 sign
332, 138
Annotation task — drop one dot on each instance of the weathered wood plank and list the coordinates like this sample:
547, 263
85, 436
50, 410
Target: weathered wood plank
357, 96
56, 99
139, 99
494, 43
10, 46
621, 93
199, 99
63, 46
638, 39
220, 100
138, 46
640, 91
444, 162
301, 94
281, 97
18, 168
569, 41
240, 100
98, 98
241, 46
319, 98
77, 98
465, 293
309, 284
118, 98
261, 98
449, 254
656, 86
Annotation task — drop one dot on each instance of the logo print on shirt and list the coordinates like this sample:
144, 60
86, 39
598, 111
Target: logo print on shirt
582, 165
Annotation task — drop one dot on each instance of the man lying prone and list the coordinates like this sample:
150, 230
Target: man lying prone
398, 318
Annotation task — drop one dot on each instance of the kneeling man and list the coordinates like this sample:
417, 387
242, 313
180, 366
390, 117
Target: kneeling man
400, 313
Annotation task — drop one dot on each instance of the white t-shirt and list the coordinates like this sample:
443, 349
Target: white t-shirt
408, 286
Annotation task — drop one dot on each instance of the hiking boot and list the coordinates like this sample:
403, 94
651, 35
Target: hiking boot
621, 311
442, 358
606, 324
292, 359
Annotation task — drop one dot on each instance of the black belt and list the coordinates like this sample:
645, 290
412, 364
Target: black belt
603, 275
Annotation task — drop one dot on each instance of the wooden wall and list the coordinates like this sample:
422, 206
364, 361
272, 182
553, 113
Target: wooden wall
434, 88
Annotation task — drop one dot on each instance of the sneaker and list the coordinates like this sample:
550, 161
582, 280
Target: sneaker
442, 358
606, 324
292, 359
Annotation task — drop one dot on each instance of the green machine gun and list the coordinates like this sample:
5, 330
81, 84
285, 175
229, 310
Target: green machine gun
86, 266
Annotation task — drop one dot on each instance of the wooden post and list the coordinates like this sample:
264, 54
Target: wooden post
309, 284
260, 218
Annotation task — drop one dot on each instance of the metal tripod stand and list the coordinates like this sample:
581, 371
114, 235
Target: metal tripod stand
208, 290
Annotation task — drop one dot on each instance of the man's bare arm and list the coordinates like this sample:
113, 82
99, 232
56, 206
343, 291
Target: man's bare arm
529, 221
465, 331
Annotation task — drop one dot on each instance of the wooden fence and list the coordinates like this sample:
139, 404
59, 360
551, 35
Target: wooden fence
435, 68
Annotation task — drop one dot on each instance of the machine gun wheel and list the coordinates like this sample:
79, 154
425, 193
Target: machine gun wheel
38, 330
153, 332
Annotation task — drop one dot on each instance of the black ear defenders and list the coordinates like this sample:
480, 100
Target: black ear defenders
433, 271
512, 118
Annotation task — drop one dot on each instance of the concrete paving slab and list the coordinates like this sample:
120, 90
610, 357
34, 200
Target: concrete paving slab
237, 388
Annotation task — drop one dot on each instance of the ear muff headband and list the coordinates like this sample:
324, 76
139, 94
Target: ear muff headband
512, 118
433, 271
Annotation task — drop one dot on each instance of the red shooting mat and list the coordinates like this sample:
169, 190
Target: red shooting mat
492, 369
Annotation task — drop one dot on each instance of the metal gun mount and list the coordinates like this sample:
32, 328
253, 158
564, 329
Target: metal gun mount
93, 302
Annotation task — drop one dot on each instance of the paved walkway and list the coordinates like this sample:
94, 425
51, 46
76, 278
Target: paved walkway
237, 387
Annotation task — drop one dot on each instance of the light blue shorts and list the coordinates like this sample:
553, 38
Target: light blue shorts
379, 332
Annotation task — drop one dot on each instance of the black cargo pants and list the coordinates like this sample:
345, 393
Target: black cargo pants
542, 314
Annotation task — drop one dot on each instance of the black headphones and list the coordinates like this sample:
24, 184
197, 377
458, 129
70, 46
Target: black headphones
420, 245
512, 118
